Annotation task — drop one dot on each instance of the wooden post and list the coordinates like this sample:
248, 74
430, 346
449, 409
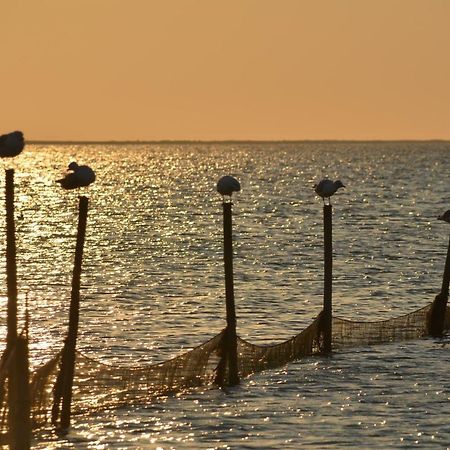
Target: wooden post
11, 268
328, 278
230, 337
64, 383
19, 421
439, 307
19, 402
446, 275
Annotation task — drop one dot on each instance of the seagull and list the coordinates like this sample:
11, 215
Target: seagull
445, 217
78, 177
11, 144
227, 185
326, 188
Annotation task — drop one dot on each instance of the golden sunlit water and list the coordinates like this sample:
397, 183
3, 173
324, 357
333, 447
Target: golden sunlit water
152, 285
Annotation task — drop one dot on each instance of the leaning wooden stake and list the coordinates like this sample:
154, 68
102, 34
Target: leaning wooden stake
436, 320
328, 278
64, 383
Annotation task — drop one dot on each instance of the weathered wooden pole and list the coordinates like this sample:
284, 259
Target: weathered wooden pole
11, 267
231, 337
439, 307
19, 422
19, 402
328, 278
64, 383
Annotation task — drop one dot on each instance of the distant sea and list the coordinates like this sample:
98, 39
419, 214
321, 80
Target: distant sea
152, 285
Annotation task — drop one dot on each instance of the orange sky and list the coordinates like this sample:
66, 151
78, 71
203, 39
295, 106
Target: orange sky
225, 69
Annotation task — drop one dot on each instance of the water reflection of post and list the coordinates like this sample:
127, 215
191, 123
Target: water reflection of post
229, 359
438, 311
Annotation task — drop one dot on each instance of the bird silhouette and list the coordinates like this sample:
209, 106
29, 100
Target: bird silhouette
326, 188
227, 185
445, 217
79, 176
11, 144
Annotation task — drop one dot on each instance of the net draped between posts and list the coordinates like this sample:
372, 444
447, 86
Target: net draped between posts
100, 386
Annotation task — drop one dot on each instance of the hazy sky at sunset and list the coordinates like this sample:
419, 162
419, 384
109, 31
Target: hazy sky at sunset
225, 69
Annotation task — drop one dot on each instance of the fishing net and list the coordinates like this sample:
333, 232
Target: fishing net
41, 387
256, 358
100, 386
345, 334
41, 390
348, 333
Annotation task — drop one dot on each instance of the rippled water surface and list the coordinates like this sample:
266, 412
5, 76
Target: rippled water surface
153, 285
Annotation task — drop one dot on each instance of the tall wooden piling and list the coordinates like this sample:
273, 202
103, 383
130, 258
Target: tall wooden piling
19, 406
436, 319
11, 267
328, 278
446, 275
230, 339
64, 383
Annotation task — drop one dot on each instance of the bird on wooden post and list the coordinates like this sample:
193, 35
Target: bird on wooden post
226, 186
11, 145
78, 176
19, 412
327, 188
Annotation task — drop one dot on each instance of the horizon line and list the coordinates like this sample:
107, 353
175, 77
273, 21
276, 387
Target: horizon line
216, 141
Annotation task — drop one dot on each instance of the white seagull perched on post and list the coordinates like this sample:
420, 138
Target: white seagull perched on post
227, 185
79, 176
11, 144
445, 217
326, 188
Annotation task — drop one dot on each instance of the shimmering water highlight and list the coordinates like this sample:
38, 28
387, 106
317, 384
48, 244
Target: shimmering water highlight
153, 284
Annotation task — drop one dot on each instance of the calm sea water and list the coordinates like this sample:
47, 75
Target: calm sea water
153, 285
